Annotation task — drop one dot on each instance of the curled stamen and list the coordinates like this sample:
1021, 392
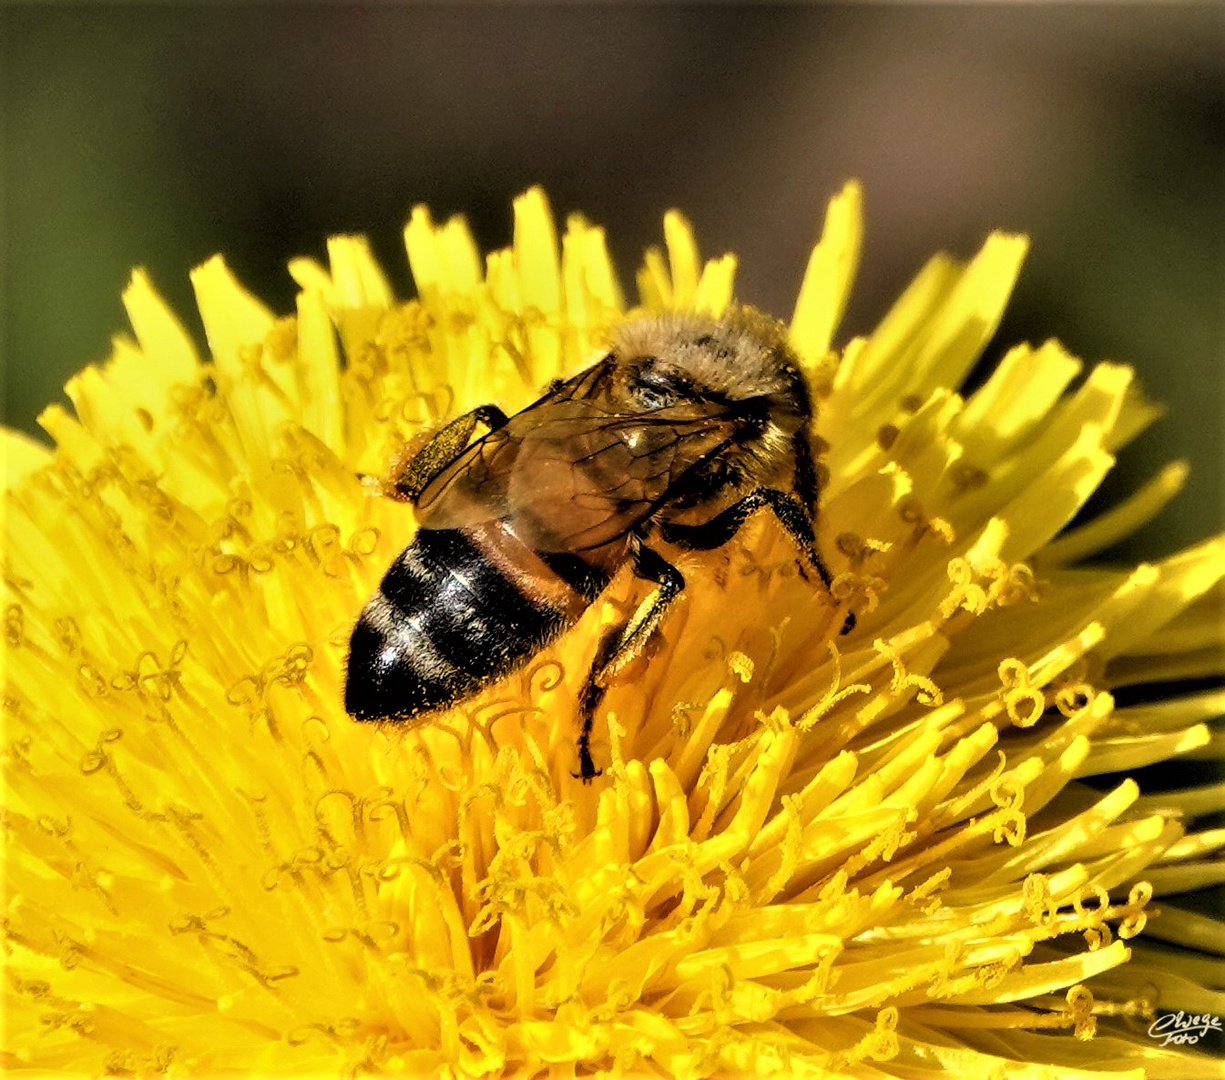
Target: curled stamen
550, 673
926, 691
364, 542
1136, 916
1080, 1008
92, 681
68, 634
1025, 704
836, 692
1009, 796
14, 626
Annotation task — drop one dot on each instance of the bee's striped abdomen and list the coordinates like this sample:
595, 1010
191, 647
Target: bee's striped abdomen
452, 614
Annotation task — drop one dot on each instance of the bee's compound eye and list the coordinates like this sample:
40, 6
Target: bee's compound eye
650, 398
655, 389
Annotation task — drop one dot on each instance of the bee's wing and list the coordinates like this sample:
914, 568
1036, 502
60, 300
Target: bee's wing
474, 487
584, 477
572, 475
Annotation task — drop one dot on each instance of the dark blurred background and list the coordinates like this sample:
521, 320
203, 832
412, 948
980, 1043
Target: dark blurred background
157, 135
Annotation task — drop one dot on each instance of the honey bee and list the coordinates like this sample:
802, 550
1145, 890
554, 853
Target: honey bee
681, 431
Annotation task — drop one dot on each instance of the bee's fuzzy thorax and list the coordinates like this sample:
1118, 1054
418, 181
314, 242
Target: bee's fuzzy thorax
742, 354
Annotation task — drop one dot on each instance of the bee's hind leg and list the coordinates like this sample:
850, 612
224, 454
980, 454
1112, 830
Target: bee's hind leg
588, 701
418, 467
622, 644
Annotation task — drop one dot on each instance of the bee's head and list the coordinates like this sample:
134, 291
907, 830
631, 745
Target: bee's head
738, 366
740, 361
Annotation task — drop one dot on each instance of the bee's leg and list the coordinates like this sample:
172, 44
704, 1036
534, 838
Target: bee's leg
805, 472
588, 701
621, 644
722, 527
419, 467
651, 566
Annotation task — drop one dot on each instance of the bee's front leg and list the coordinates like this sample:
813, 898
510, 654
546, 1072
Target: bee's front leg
417, 467
787, 509
622, 644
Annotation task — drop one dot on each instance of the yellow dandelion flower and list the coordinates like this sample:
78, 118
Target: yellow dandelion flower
878, 854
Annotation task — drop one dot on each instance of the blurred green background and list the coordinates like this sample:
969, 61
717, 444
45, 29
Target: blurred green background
157, 135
